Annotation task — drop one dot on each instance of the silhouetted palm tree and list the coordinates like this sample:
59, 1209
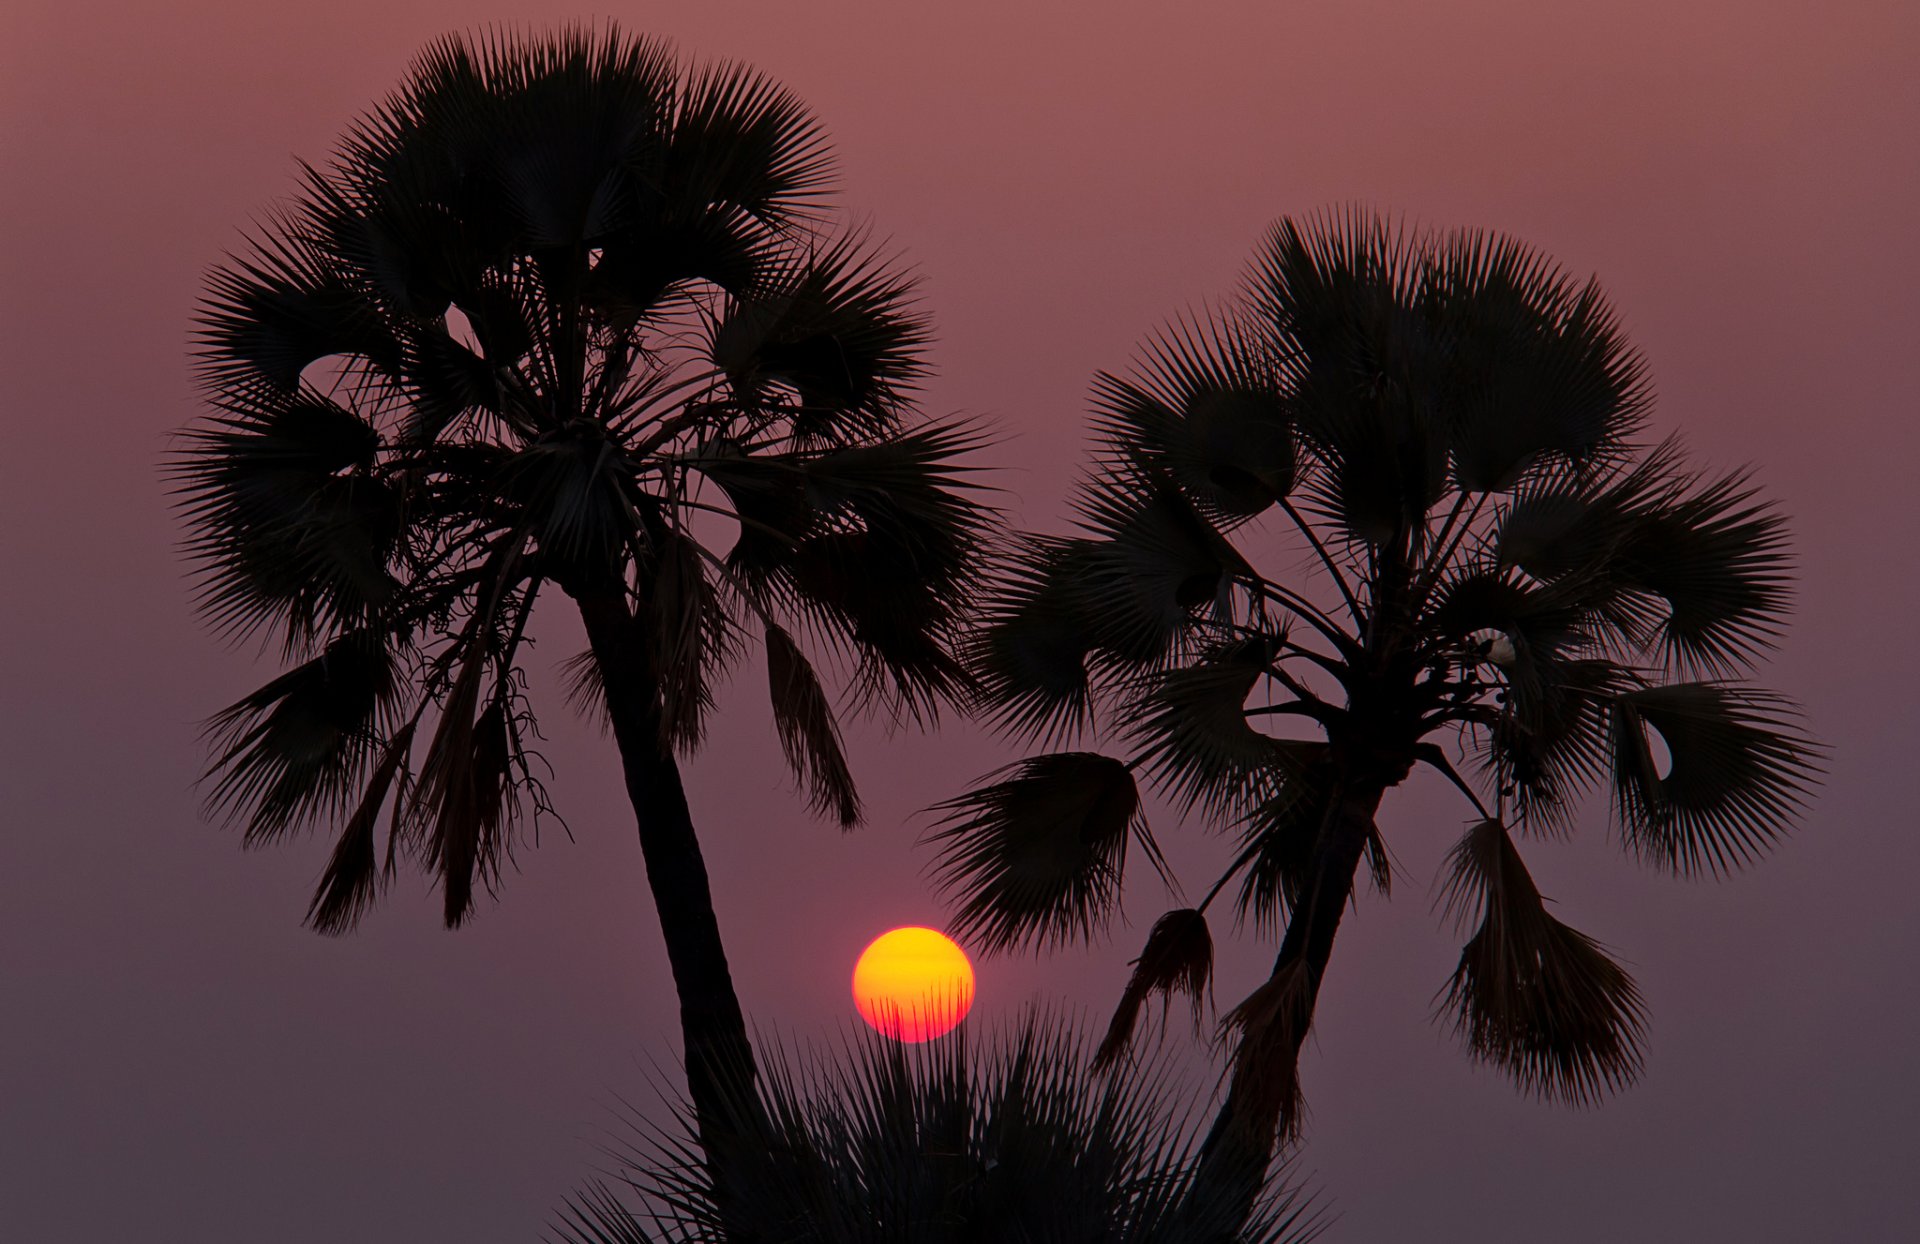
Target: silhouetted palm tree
1447, 431
932, 1144
562, 313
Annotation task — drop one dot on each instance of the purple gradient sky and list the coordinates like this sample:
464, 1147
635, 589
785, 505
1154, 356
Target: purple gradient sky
179, 1060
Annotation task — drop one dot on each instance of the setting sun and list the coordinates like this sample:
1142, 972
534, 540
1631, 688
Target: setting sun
913, 984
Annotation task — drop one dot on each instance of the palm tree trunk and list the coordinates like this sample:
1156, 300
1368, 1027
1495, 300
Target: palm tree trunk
1241, 1143
720, 1065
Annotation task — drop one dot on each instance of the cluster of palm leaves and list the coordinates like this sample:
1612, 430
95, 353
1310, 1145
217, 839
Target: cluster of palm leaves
564, 314
1509, 584
1014, 1139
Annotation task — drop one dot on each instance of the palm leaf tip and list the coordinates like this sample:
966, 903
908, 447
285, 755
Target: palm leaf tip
1177, 959
1037, 856
349, 884
1531, 996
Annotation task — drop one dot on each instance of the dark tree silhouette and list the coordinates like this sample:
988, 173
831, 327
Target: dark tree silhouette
940, 1143
1510, 585
563, 313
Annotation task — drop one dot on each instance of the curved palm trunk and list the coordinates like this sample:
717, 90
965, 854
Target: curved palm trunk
720, 1065
1241, 1143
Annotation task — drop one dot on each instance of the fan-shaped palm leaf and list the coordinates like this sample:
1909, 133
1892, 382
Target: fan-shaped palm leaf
1038, 856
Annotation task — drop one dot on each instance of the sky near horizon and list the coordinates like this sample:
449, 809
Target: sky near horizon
180, 1060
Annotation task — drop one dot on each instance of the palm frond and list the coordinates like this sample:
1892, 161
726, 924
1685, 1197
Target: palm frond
809, 735
739, 138
1265, 1032
290, 527
1155, 566
862, 588
1278, 835
348, 885
1550, 743
1177, 959
1536, 364
1029, 653
1206, 409
693, 637
1036, 857
1196, 742
466, 800
1338, 296
294, 750
1531, 996
1739, 774
1716, 555
831, 339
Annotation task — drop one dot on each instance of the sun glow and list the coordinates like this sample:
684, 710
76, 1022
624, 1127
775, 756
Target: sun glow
913, 984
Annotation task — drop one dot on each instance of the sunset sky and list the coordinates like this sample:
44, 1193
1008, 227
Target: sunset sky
181, 1060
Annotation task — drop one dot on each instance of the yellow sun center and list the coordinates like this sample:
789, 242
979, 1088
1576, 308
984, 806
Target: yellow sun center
913, 984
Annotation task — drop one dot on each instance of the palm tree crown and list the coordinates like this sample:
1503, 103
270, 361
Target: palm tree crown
562, 313
1511, 586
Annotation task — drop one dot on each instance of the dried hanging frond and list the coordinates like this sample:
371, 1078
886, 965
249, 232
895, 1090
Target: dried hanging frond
466, 789
348, 885
809, 735
1177, 959
1037, 857
1267, 1031
1532, 996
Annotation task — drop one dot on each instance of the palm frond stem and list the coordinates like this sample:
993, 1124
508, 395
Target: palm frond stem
1326, 560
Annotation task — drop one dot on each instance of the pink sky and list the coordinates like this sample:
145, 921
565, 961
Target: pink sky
180, 1060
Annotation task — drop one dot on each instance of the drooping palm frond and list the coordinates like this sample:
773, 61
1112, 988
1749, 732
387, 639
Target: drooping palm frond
1531, 996
292, 751
1011, 1138
1265, 1032
1177, 959
809, 735
1037, 856
347, 886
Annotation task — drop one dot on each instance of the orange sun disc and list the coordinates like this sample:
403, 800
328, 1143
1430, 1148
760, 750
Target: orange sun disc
913, 984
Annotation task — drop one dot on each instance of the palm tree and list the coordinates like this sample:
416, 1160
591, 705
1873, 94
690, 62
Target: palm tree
1511, 586
1018, 1141
563, 313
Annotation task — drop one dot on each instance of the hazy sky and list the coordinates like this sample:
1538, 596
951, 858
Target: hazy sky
180, 1061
